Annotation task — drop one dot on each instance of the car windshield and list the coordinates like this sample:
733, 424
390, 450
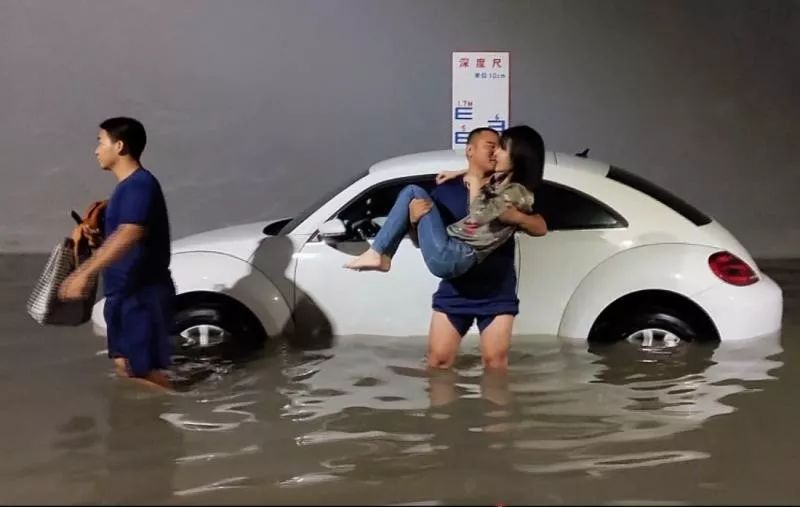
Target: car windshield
300, 217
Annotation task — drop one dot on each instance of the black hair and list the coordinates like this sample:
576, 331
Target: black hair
527, 155
477, 131
130, 132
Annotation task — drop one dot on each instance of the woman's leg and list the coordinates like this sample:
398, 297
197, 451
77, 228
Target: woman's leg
396, 225
445, 256
394, 228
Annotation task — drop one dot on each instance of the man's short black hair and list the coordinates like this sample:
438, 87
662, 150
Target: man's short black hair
130, 132
476, 132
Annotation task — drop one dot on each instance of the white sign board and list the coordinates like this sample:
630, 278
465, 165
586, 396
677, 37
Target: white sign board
480, 93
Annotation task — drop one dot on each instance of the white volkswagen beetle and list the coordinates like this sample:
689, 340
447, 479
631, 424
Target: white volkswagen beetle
623, 259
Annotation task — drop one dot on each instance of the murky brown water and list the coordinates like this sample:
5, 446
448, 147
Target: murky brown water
365, 424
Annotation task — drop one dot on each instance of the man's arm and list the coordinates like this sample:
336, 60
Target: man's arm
76, 285
135, 204
534, 225
444, 176
116, 246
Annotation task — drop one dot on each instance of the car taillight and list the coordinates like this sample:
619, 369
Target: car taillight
731, 269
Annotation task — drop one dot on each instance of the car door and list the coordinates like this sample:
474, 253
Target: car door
582, 232
396, 303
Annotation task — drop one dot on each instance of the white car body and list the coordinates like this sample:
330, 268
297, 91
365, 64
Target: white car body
565, 279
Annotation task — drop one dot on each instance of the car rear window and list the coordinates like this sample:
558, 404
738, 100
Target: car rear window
660, 194
565, 209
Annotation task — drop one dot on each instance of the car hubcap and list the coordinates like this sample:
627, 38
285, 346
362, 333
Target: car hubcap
203, 335
654, 338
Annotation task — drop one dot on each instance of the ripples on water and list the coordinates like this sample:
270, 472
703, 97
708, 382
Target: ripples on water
365, 423
369, 414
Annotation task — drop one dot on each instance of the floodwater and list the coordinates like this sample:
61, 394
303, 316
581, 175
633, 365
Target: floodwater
363, 423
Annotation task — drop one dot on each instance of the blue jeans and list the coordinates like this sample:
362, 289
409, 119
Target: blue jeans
446, 257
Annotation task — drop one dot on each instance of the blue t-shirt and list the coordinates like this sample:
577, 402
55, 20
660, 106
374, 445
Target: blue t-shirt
138, 199
490, 287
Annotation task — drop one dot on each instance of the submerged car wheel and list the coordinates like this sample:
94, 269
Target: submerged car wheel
649, 327
654, 337
214, 329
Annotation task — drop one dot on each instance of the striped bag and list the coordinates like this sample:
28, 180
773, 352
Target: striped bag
44, 305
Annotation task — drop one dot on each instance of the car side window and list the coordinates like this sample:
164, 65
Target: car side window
564, 208
365, 214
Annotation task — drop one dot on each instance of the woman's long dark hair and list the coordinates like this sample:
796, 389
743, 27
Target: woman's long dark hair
527, 155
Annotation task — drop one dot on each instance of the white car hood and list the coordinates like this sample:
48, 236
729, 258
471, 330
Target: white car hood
237, 240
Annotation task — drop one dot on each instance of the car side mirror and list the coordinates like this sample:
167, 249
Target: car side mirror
333, 228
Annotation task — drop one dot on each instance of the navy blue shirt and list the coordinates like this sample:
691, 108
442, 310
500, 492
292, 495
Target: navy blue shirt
490, 287
138, 199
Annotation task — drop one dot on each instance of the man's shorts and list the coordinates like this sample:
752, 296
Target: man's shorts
462, 323
138, 327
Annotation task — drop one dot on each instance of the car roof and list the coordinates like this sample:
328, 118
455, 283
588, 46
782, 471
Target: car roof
429, 162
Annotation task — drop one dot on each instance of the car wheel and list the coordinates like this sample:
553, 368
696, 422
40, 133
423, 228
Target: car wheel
650, 328
215, 330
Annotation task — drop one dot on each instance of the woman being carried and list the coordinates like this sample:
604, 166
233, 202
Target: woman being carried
451, 251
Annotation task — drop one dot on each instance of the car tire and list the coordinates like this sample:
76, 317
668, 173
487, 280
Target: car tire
215, 330
649, 326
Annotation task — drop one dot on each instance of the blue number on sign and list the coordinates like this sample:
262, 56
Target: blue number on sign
498, 125
463, 113
461, 137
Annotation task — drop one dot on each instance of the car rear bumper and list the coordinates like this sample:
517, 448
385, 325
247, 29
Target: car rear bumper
744, 312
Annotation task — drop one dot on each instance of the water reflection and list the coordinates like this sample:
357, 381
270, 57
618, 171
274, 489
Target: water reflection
137, 436
365, 423
619, 388
446, 387
369, 411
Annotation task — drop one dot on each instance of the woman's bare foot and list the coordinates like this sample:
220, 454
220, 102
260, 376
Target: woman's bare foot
370, 261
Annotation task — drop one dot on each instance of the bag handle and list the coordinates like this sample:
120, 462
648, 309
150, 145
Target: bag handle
91, 219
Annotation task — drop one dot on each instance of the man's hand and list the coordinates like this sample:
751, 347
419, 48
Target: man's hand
93, 236
417, 209
76, 286
534, 225
117, 245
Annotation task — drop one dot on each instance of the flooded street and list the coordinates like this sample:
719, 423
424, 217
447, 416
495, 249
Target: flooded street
364, 423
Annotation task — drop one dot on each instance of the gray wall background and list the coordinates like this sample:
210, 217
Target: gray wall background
254, 108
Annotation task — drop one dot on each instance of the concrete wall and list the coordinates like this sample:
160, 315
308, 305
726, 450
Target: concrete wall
255, 108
